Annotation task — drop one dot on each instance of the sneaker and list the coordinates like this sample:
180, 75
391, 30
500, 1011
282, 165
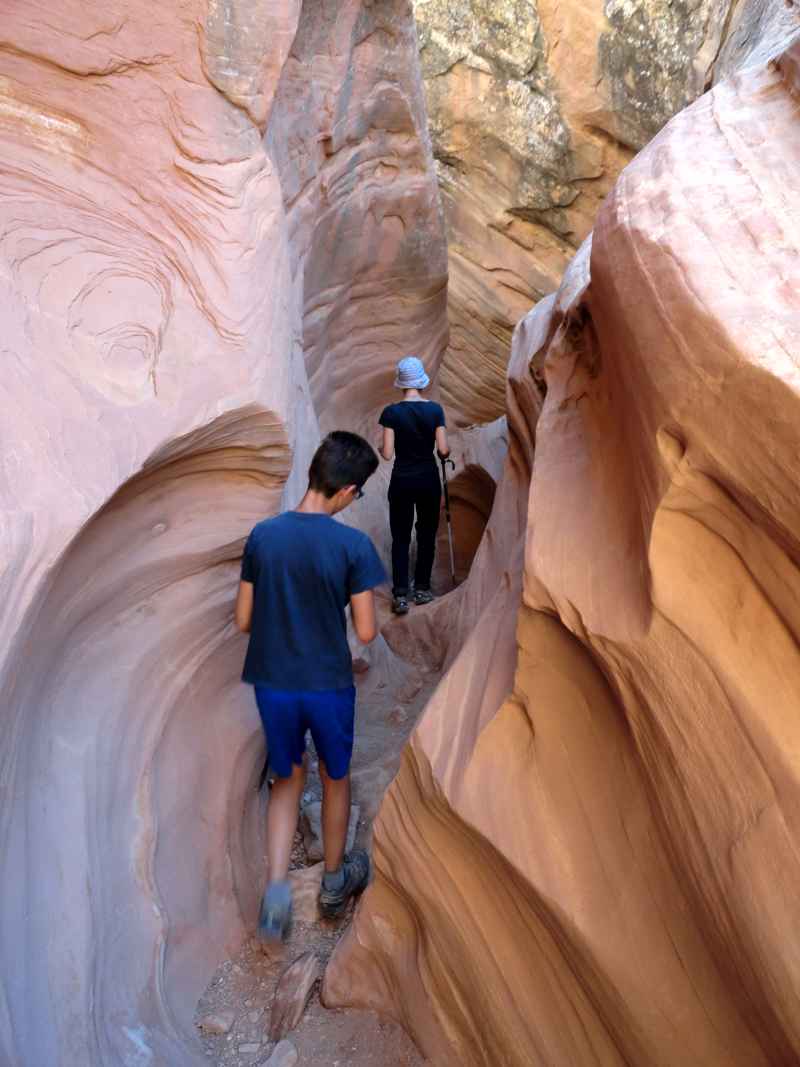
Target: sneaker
275, 917
400, 605
423, 596
333, 902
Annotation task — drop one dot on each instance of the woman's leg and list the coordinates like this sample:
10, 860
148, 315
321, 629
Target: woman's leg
428, 503
401, 521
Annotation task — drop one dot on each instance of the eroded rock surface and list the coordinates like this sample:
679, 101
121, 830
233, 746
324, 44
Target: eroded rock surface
535, 107
590, 852
202, 207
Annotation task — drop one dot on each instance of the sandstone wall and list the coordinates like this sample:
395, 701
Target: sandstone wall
202, 208
535, 107
590, 855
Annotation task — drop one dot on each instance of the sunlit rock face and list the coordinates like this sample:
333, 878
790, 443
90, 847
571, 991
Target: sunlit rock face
590, 854
353, 152
535, 107
158, 285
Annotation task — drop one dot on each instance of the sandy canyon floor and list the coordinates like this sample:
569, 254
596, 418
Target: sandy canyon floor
391, 696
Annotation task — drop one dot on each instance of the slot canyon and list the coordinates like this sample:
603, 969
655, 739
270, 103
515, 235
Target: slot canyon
577, 770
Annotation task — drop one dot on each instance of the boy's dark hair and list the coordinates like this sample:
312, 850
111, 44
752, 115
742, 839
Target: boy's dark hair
342, 459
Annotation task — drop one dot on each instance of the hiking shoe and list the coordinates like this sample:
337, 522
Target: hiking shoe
275, 917
333, 902
400, 605
423, 596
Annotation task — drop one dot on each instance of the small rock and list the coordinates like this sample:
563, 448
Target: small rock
397, 716
251, 1046
311, 826
409, 689
283, 1055
292, 995
219, 1022
360, 665
305, 883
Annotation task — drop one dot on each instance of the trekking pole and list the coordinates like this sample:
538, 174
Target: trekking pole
444, 462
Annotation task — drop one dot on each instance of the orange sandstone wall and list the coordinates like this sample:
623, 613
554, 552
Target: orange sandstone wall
535, 107
590, 855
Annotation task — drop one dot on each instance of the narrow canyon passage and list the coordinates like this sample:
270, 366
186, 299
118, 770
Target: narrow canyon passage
222, 224
392, 693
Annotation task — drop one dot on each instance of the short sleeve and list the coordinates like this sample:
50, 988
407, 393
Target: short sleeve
248, 563
387, 418
440, 421
366, 569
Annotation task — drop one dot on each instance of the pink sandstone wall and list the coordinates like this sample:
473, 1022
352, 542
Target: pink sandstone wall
182, 188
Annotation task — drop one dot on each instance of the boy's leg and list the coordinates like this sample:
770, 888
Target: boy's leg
428, 504
401, 522
284, 728
330, 718
335, 817
282, 815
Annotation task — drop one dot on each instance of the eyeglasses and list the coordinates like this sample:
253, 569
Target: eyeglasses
358, 493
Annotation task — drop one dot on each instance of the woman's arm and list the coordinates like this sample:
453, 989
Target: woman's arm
442, 446
387, 448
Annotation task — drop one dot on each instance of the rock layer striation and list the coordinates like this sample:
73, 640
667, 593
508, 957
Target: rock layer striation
201, 208
535, 107
591, 851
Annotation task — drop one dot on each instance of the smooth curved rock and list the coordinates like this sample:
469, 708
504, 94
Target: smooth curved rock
590, 852
292, 994
180, 187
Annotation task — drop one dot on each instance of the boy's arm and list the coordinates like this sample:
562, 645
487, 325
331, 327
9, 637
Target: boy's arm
362, 610
244, 607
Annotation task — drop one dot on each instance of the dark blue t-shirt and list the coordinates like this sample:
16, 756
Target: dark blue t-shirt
304, 568
414, 423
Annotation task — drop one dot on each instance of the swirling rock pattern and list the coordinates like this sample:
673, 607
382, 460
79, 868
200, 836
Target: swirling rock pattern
172, 212
355, 161
590, 854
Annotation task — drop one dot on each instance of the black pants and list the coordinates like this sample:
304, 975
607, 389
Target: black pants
403, 502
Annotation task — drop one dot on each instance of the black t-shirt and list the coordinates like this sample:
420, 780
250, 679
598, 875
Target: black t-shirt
304, 568
414, 423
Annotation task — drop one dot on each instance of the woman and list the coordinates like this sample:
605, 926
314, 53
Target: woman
411, 428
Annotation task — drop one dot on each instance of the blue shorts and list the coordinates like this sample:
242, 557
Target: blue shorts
287, 715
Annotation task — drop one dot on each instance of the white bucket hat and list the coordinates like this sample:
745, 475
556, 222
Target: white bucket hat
411, 374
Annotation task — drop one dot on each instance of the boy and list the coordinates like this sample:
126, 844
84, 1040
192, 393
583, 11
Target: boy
299, 571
